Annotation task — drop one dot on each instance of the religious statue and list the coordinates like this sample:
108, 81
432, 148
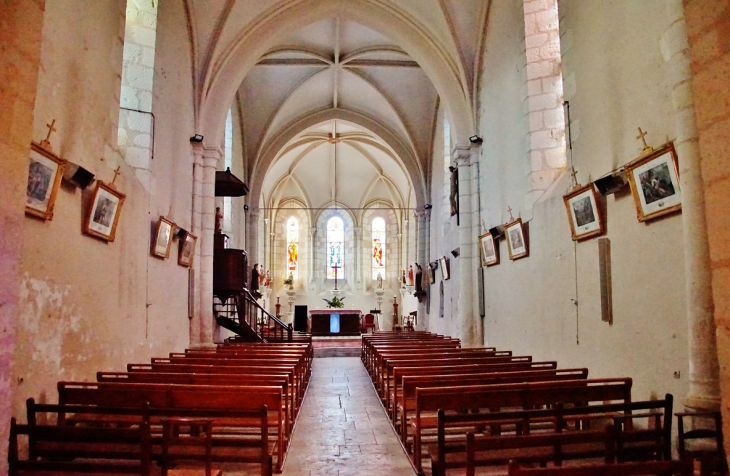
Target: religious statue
410, 275
261, 275
403, 278
454, 196
419, 279
267, 280
218, 220
255, 281
380, 280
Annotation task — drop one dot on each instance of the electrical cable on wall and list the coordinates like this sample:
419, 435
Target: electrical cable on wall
574, 183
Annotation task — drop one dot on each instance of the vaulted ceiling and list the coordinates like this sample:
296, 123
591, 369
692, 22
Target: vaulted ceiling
318, 70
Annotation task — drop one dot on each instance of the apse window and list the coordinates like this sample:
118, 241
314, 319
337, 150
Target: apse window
335, 248
292, 247
378, 251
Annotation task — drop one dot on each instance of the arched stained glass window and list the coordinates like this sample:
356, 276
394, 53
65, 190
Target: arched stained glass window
292, 247
378, 251
335, 248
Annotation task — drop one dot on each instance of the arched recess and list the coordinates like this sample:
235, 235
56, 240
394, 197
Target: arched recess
270, 150
234, 61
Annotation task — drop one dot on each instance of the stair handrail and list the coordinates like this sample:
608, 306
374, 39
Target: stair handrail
281, 332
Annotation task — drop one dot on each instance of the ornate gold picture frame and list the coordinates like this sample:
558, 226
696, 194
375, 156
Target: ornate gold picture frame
45, 170
187, 250
103, 217
584, 213
163, 238
488, 249
516, 240
654, 181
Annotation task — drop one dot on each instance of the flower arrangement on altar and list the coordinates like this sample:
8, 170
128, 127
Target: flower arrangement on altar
335, 303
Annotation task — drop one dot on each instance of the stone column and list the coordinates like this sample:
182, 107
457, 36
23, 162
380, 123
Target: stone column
210, 157
312, 247
20, 37
468, 319
252, 242
399, 237
704, 385
476, 230
421, 259
196, 229
357, 231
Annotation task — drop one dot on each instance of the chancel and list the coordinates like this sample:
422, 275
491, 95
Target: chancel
269, 172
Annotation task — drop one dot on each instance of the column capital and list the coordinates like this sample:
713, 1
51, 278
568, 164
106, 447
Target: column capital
462, 155
312, 231
357, 230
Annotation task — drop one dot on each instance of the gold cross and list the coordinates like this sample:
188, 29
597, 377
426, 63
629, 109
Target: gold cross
116, 172
46, 143
574, 174
641, 137
509, 209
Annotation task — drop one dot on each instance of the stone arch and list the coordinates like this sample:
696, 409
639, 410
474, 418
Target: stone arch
238, 58
269, 151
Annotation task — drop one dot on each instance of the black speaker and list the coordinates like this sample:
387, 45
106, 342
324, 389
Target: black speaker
300, 318
77, 175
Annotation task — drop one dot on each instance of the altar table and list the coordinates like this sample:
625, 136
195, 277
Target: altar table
334, 322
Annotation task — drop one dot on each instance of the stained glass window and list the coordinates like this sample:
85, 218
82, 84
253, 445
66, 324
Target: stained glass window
335, 248
378, 247
292, 247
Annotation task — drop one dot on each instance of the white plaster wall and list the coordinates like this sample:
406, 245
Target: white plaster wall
87, 305
615, 80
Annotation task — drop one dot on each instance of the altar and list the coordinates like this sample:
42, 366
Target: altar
334, 322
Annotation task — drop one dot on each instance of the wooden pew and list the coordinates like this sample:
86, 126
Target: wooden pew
659, 468
393, 386
513, 395
299, 370
640, 431
412, 383
59, 449
382, 359
222, 369
207, 379
386, 375
184, 397
252, 447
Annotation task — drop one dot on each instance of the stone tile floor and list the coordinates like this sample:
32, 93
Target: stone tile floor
342, 429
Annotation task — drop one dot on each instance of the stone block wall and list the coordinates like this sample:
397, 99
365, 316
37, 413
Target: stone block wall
136, 127
544, 96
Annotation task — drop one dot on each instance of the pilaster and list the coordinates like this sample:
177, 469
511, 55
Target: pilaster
468, 320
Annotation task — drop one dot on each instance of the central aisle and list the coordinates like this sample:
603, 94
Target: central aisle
342, 429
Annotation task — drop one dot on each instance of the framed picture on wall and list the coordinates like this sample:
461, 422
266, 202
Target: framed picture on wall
445, 265
187, 250
45, 170
583, 213
104, 212
516, 241
163, 238
488, 249
654, 181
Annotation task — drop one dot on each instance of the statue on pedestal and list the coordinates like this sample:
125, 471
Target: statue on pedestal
380, 281
255, 281
218, 220
267, 279
410, 276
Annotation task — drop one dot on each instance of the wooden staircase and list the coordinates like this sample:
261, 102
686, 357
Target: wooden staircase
243, 315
